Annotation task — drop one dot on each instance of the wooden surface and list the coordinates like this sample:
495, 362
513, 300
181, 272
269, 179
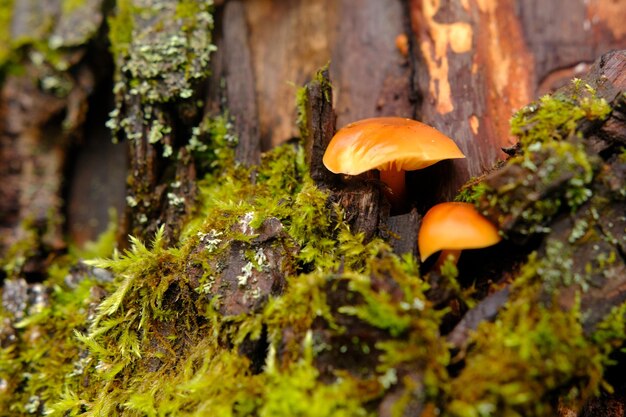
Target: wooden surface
471, 64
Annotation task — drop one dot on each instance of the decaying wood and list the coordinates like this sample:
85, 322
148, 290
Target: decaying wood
608, 283
473, 71
567, 49
33, 162
232, 66
376, 80
361, 197
470, 65
240, 292
319, 127
402, 232
42, 111
156, 112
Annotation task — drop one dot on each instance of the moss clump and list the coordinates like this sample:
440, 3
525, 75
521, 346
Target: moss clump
553, 176
212, 143
297, 391
19, 252
6, 14
557, 117
471, 192
39, 354
269, 305
553, 171
535, 352
302, 101
35, 367
321, 77
69, 6
320, 82
121, 27
531, 355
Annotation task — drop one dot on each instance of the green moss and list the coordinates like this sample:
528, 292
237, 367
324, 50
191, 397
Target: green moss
212, 144
69, 6
6, 14
553, 156
550, 176
553, 171
302, 101
158, 344
162, 52
472, 191
545, 354
37, 366
530, 354
19, 252
537, 352
323, 80
121, 27
302, 98
297, 391
159, 339
188, 9
556, 117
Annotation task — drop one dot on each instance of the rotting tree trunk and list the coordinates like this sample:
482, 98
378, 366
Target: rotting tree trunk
467, 66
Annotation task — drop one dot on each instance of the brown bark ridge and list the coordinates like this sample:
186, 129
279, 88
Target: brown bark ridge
361, 196
318, 126
232, 84
160, 69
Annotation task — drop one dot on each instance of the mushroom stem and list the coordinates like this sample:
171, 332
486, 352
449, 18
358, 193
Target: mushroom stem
394, 179
445, 255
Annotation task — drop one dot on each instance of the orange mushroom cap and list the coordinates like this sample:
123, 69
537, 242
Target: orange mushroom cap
387, 143
455, 226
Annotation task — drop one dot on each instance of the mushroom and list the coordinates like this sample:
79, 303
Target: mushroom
390, 144
452, 227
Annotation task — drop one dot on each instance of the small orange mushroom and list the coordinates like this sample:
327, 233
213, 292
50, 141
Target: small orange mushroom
402, 43
390, 144
452, 227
